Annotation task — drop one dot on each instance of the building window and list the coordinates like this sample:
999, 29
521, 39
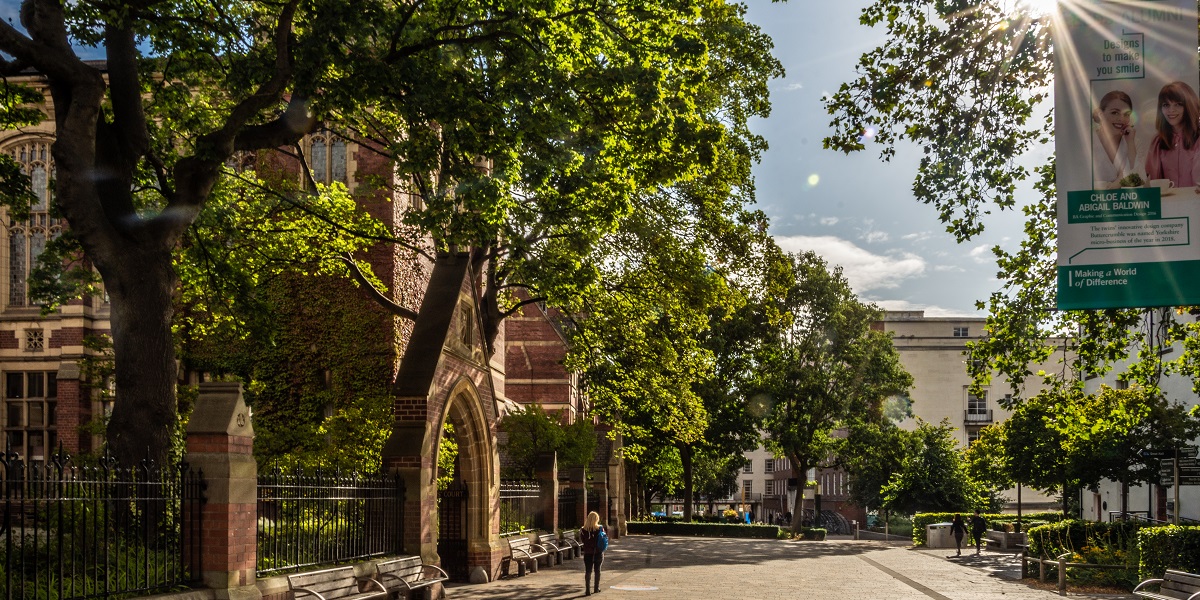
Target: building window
977, 405
27, 239
31, 413
769, 467
769, 489
971, 437
35, 340
962, 332
748, 467
747, 487
327, 158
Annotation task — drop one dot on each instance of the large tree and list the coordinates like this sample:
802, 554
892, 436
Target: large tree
824, 367
576, 110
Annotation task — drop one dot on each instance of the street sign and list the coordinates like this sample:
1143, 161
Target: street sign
1194, 480
1149, 453
1189, 451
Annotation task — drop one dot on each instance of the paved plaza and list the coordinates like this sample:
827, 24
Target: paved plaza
653, 567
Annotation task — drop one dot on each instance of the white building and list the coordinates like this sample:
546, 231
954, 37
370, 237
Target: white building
1157, 502
933, 351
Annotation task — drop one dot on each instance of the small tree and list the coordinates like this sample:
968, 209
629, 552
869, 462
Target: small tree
532, 432
934, 477
825, 367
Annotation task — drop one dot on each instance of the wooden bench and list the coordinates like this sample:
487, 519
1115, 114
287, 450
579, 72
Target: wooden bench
524, 553
1174, 585
558, 550
572, 544
335, 584
408, 573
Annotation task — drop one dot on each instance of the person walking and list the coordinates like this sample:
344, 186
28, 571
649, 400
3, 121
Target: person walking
978, 526
595, 541
958, 529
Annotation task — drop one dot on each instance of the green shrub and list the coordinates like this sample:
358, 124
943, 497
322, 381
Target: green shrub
812, 533
705, 529
920, 520
1169, 547
1055, 539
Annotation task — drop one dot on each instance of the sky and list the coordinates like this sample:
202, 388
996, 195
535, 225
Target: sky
857, 211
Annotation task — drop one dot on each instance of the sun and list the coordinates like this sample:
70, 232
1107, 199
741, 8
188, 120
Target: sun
1038, 8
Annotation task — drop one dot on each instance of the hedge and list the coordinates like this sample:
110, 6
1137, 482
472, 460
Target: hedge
1168, 547
920, 520
1054, 539
729, 530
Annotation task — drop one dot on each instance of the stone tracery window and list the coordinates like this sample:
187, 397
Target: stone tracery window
27, 239
327, 158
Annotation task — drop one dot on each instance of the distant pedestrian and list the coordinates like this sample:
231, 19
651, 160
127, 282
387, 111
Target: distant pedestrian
594, 539
959, 529
978, 526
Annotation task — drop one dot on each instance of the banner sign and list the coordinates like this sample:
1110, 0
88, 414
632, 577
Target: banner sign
1127, 137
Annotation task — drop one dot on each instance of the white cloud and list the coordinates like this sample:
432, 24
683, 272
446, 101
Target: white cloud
875, 237
827, 221
791, 87
981, 254
930, 310
863, 269
919, 236
949, 269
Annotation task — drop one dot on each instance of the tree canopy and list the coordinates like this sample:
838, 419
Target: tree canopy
824, 367
526, 129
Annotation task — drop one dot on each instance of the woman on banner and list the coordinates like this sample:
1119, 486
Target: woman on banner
1114, 142
1174, 153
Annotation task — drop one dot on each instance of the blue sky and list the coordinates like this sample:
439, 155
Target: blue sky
860, 213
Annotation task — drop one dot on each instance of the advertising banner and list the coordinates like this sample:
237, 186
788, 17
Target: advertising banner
1127, 137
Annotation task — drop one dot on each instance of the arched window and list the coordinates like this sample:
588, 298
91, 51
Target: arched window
27, 239
327, 158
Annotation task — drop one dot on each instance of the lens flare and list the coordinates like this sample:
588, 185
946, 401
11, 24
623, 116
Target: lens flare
813, 180
1038, 8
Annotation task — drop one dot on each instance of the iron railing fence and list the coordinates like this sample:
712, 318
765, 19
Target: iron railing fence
520, 507
568, 508
319, 518
95, 531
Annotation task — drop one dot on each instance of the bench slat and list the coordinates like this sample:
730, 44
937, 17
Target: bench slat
332, 584
409, 572
1174, 585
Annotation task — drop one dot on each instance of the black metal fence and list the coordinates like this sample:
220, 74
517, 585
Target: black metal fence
308, 519
74, 532
568, 508
520, 507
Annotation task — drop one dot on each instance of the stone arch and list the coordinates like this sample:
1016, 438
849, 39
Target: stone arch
478, 464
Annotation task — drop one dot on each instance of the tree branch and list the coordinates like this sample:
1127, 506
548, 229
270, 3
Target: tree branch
129, 117
374, 292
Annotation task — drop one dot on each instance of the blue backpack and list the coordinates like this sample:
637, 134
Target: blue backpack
601, 540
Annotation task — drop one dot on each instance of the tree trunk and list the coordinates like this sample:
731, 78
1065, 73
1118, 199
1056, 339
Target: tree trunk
144, 418
685, 456
801, 483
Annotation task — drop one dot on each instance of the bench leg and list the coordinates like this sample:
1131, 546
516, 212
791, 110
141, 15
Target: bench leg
533, 566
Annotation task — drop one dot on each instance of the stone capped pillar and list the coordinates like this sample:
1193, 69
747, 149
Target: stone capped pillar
220, 442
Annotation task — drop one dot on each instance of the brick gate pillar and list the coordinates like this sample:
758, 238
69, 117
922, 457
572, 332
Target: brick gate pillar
546, 473
220, 442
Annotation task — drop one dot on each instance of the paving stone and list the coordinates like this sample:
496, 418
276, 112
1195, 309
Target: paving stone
681, 568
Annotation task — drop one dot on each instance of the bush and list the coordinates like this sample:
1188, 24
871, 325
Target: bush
920, 520
730, 530
1169, 547
813, 533
1055, 539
